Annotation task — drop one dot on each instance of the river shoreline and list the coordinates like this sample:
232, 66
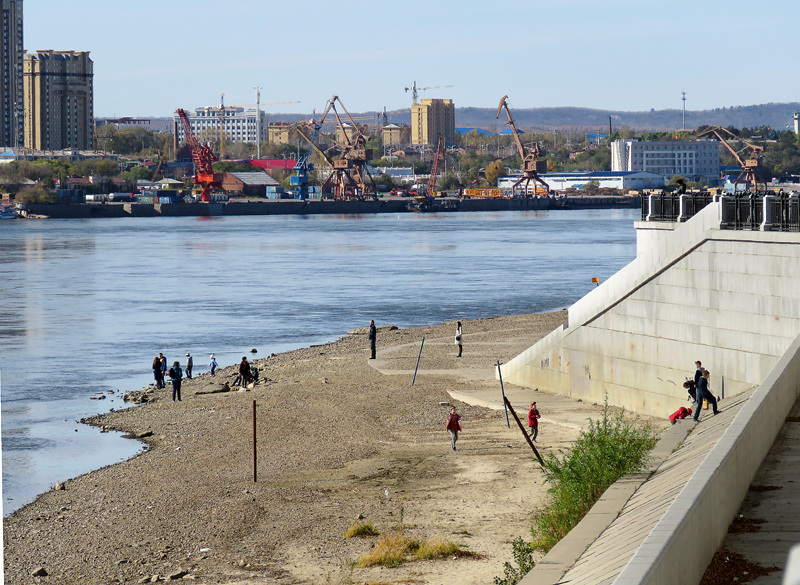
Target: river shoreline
239, 207
336, 434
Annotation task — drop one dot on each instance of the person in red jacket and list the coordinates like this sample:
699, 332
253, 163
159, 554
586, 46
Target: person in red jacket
533, 421
681, 413
453, 426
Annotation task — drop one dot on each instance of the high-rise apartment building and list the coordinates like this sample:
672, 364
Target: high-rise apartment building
11, 117
59, 100
430, 118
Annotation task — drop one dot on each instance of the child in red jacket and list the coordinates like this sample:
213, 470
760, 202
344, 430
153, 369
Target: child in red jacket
533, 421
681, 413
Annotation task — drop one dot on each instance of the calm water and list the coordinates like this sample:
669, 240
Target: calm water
86, 304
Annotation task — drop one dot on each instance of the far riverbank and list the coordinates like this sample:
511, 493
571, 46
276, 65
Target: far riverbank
239, 207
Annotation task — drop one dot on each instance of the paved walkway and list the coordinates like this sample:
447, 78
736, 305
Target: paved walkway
777, 508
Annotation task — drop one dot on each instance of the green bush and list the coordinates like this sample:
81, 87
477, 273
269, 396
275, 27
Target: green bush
523, 556
609, 449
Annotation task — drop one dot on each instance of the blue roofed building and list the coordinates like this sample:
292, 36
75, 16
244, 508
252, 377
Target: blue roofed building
480, 131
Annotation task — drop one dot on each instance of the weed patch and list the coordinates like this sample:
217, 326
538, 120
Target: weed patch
610, 448
361, 529
523, 556
394, 548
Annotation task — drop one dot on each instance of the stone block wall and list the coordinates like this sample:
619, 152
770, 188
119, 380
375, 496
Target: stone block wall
728, 298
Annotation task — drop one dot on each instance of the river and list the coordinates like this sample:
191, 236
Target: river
87, 304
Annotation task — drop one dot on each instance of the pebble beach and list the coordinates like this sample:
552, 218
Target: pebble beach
340, 438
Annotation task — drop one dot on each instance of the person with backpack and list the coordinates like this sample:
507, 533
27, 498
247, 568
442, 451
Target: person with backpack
176, 375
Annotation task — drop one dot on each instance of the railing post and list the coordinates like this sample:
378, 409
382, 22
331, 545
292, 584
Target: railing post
650, 200
768, 209
683, 211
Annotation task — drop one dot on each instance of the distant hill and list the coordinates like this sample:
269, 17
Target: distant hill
777, 116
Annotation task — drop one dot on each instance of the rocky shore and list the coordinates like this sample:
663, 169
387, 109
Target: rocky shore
339, 437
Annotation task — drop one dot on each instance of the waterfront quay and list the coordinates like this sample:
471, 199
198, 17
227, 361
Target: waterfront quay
317, 207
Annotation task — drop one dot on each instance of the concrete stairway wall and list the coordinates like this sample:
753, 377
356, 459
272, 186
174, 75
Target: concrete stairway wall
728, 298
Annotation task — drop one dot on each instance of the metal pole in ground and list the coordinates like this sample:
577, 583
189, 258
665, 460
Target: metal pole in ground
255, 470
421, 345
521, 428
503, 390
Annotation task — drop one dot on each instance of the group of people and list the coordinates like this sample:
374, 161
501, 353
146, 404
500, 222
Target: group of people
247, 373
699, 390
175, 373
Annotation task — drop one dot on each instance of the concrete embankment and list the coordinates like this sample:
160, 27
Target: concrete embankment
315, 207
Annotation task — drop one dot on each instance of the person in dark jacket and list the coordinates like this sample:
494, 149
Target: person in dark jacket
704, 392
176, 375
189, 364
157, 372
373, 334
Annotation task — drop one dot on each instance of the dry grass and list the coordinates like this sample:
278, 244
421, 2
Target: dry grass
394, 548
361, 529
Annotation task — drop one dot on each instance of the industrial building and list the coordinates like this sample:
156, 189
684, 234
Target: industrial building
59, 100
430, 118
697, 160
11, 113
241, 125
603, 179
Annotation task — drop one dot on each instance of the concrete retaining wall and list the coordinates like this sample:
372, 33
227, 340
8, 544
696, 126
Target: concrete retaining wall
730, 299
678, 550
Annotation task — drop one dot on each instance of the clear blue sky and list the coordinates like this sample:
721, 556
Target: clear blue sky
151, 57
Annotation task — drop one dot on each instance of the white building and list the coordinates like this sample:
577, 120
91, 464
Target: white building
241, 125
697, 160
577, 179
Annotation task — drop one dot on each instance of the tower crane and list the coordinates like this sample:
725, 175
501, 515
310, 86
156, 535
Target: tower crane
415, 90
750, 166
531, 165
203, 158
350, 177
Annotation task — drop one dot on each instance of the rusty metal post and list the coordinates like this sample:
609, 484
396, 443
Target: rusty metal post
521, 428
503, 392
255, 469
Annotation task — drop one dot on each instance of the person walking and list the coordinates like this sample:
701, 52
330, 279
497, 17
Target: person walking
458, 338
373, 334
157, 372
453, 425
698, 372
213, 365
189, 364
709, 395
704, 392
533, 421
176, 375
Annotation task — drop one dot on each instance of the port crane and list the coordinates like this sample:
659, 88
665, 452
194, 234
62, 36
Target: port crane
350, 177
415, 90
750, 166
531, 165
203, 158
435, 167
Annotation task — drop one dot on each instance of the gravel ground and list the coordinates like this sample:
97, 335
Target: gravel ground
335, 436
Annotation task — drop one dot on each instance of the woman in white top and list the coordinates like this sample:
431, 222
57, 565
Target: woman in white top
458, 338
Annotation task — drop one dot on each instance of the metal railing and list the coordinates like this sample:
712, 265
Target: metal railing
741, 211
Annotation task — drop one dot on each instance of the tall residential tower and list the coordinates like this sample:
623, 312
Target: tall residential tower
432, 117
11, 118
59, 98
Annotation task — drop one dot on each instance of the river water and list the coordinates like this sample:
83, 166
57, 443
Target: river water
87, 304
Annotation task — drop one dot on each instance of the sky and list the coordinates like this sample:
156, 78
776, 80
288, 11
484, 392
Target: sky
153, 56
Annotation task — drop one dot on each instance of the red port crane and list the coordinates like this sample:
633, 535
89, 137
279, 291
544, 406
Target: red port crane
203, 158
435, 168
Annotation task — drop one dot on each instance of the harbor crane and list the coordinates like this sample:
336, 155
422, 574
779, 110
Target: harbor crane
531, 165
203, 158
415, 90
750, 166
435, 167
350, 177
